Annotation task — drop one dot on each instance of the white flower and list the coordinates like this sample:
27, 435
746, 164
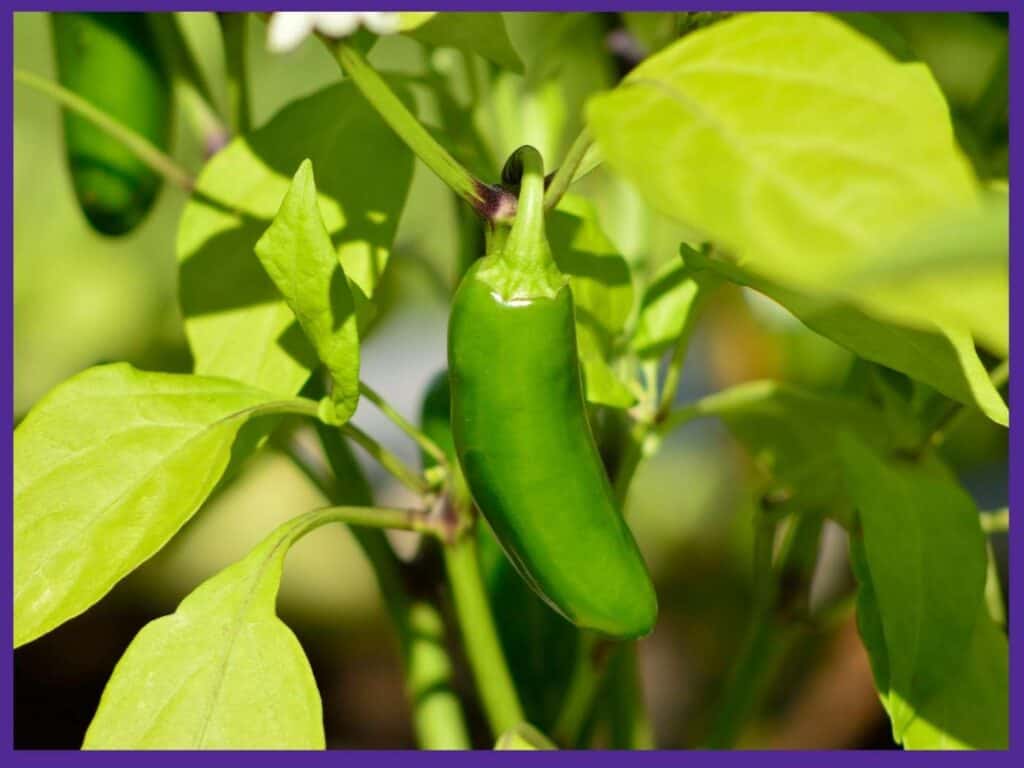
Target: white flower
287, 29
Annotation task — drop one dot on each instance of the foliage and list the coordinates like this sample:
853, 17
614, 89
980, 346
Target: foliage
813, 159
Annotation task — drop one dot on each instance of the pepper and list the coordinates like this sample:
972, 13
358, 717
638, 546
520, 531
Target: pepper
539, 644
521, 432
112, 61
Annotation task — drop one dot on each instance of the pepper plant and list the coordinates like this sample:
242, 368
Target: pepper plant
806, 158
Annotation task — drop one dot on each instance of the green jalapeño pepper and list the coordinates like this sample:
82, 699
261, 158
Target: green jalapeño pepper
521, 433
111, 61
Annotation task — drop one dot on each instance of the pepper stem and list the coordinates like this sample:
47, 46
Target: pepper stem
526, 240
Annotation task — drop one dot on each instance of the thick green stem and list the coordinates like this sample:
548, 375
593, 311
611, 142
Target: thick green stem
135, 143
424, 442
486, 200
234, 29
480, 636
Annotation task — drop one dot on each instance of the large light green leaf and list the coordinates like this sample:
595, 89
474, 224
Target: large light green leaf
671, 305
602, 291
237, 323
107, 468
480, 33
921, 565
222, 672
789, 138
298, 255
804, 173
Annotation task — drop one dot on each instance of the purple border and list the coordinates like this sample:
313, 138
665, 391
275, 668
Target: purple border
769, 759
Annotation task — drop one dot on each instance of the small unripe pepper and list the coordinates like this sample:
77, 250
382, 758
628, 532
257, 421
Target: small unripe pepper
521, 433
111, 61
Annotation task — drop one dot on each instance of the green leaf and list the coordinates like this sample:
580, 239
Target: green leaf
602, 291
670, 306
107, 468
298, 255
798, 173
524, 738
364, 176
921, 566
971, 711
792, 435
221, 672
481, 33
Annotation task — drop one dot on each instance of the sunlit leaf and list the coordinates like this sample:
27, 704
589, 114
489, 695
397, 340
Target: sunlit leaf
107, 468
222, 672
298, 255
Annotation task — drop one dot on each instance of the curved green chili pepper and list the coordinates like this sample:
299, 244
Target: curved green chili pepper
521, 432
111, 60
540, 645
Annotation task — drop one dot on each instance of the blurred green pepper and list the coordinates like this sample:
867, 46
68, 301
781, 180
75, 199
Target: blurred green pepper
521, 433
111, 61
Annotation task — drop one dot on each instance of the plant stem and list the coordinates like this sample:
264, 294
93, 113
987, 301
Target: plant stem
138, 145
401, 472
480, 636
424, 442
485, 200
436, 712
234, 28
566, 173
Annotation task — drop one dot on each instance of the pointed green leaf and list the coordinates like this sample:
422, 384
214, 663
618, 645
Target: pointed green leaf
364, 176
298, 255
107, 468
481, 33
222, 672
921, 564
602, 291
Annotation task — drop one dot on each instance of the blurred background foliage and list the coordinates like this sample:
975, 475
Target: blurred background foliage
81, 299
